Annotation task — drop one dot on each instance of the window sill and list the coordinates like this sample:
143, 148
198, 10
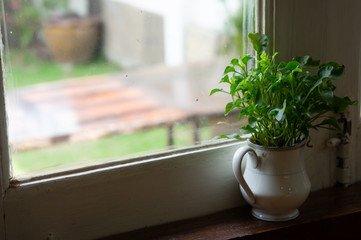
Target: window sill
332, 213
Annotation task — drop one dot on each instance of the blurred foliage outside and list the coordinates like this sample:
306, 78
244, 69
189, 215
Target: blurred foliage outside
240, 22
23, 20
27, 68
68, 155
29, 62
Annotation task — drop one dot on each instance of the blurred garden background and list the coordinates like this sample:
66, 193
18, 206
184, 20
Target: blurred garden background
92, 81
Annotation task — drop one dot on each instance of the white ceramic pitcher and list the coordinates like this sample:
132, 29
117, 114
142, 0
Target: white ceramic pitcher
274, 182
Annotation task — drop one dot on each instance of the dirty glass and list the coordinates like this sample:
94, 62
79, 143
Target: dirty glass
95, 81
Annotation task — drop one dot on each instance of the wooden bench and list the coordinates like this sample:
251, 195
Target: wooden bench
92, 107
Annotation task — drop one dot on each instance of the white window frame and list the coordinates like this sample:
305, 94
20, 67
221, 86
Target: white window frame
109, 199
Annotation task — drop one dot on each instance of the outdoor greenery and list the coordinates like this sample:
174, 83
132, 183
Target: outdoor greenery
239, 22
23, 18
22, 21
282, 100
28, 62
58, 157
28, 69
51, 10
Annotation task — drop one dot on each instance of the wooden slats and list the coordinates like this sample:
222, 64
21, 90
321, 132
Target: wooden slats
103, 105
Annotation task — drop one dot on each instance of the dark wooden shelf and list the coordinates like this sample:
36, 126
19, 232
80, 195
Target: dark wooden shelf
333, 213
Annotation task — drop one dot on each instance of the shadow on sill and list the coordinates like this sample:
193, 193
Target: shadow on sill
333, 213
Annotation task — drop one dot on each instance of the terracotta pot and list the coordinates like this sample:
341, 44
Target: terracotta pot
72, 40
274, 182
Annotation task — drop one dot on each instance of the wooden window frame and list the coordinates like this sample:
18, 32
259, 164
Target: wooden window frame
109, 199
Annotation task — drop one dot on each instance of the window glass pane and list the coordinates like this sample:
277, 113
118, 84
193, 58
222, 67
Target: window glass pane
92, 81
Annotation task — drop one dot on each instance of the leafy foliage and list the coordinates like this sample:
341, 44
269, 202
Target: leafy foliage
282, 100
22, 20
55, 10
240, 21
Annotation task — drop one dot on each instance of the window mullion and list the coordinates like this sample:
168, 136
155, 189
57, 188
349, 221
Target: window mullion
5, 172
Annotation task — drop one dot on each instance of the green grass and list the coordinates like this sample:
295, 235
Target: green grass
67, 155
28, 69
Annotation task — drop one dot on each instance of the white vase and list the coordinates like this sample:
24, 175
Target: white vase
274, 182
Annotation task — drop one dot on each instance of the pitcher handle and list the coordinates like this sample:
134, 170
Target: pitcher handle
237, 163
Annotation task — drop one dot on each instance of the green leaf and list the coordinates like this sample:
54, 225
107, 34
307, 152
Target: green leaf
233, 89
237, 103
252, 121
225, 79
259, 98
259, 41
246, 58
229, 107
337, 70
325, 72
340, 104
307, 61
309, 115
242, 113
305, 131
231, 136
235, 62
273, 85
327, 95
229, 69
330, 121
247, 129
279, 75
331, 70
292, 65
216, 90
318, 82
281, 65
280, 115
297, 70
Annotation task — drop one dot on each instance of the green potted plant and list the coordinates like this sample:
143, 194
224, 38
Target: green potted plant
283, 102
70, 38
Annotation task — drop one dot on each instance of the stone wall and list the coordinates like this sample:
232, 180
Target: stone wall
202, 44
132, 37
